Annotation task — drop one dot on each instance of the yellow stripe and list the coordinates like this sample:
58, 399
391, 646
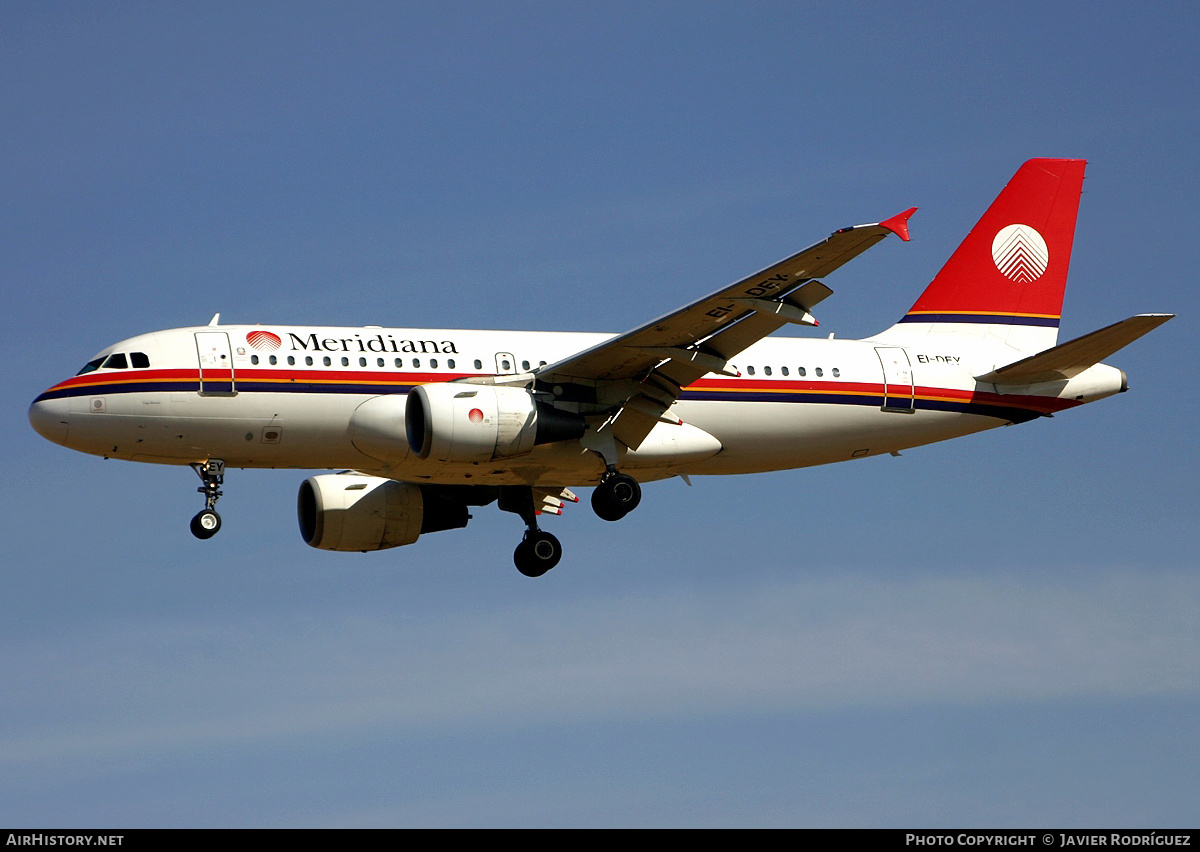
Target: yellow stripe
986, 314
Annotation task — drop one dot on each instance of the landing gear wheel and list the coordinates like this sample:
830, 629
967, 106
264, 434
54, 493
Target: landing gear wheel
616, 496
212, 474
206, 524
603, 507
537, 553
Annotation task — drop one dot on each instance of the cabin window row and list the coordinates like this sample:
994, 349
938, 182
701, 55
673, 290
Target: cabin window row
399, 363
310, 361
139, 360
819, 372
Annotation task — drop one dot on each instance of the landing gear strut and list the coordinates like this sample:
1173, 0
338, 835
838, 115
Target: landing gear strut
207, 522
539, 551
616, 496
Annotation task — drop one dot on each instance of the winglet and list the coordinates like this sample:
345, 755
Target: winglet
898, 224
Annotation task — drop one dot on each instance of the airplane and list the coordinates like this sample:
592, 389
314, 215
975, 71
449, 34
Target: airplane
426, 424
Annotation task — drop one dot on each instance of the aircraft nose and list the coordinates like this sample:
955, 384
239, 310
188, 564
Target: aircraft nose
49, 419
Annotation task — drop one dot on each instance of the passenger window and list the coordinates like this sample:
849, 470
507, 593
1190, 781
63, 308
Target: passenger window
836, 372
767, 370
291, 360
345, 361
139, 359
525, 366
783, 370
450, 363
820, 372
116, 361
327, 361
541, 363
507, 366
308, 360
800, 371
400, 363
253, 359
416, 362
433, 363
362, 362
478, 364
273, 360
750, 370
378, 362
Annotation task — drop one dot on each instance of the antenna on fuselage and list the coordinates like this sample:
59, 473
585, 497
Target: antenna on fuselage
216, 320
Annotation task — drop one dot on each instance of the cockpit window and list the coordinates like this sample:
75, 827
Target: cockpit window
116, 361
94, 364
139, 359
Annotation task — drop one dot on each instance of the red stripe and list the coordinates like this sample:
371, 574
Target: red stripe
733, 386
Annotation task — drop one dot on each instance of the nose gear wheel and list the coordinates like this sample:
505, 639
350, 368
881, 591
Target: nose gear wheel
207, 522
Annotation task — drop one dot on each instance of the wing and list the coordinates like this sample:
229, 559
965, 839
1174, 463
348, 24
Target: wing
635, 377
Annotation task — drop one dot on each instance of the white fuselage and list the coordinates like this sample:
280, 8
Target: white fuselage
309, 397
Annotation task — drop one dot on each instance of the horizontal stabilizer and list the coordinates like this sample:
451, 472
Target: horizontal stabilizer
1069, 359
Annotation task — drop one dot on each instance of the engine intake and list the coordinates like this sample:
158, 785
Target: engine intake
356, 512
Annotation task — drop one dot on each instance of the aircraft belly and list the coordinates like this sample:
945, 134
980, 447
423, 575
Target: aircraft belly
290, 430
281, 430
561, 464
765, 436
247, 430
753, 437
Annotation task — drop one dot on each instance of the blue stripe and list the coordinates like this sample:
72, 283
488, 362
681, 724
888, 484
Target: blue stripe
124, 387
1007, 413
1001, 412
984, 319
211, 386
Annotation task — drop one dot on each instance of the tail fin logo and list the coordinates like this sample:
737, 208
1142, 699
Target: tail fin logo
1020, 253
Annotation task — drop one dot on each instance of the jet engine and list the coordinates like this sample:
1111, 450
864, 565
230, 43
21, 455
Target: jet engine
355, 512
474, 423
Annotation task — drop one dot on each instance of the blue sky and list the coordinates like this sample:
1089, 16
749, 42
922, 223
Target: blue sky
995, 631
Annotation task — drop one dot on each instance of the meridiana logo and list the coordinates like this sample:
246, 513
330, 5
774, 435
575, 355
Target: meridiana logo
1020, 253
263, 340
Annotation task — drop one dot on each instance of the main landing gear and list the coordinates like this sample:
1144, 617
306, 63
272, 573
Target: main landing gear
207, 522
616, 496
539, 551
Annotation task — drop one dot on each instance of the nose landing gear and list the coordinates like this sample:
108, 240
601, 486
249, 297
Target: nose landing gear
207, 522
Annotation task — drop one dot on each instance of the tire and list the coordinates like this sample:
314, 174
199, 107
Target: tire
206, 524
603, 506
537, 553
616, 497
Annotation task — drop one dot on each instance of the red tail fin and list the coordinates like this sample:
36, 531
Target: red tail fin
1012, 268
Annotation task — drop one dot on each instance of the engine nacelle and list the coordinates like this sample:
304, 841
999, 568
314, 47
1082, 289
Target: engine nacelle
355, 512
477, 423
